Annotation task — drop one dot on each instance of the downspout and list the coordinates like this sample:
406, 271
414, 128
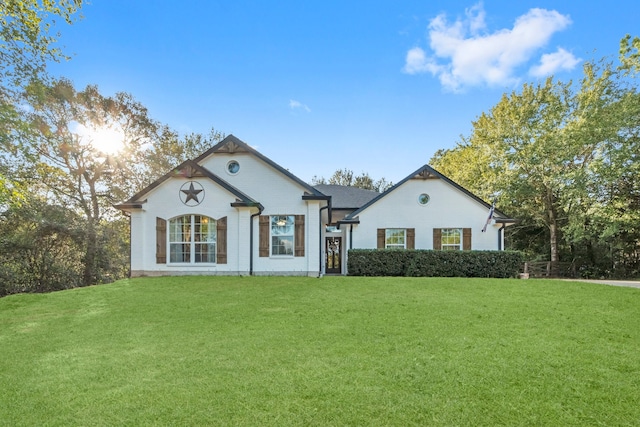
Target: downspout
260, 209
350, 236
320, 237
501, 236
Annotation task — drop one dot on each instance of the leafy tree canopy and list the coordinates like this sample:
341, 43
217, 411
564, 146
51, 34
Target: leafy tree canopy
27, 44
347, 178
564, 157
27, 41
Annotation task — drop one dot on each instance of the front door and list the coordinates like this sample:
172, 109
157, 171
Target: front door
333, 250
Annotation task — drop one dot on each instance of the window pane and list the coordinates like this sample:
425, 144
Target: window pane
205, 229
395, 238
451, 239
282, 225
205, 252
180, 252
281, 245
180, 229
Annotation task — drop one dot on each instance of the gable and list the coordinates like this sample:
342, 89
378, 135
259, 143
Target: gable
246, 168
188, 170
421, 181
446, 207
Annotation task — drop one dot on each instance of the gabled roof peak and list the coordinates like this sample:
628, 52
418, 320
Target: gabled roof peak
230, 144
425, 172
189, 169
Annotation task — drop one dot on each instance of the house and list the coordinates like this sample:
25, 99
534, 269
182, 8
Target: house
233, 211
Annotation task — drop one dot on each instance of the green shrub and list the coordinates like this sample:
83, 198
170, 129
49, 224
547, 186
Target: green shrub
429, 263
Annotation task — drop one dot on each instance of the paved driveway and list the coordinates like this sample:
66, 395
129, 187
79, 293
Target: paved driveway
627, 283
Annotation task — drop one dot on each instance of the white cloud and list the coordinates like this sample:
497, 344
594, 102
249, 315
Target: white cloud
464, 54
418, 62
552, 62
294, 105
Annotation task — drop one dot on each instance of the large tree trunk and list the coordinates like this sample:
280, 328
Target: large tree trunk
91, 251
552, 219
91, 271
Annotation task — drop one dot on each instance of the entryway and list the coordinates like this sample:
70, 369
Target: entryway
333, 258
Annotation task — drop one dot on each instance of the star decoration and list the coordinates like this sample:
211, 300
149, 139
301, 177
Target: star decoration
191, 193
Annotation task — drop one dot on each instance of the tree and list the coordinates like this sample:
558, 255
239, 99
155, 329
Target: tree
525, 154
630, 54
61, 155
40, 248
26, 39
26, 46
347, 178
565, 159
169, 150
63, 158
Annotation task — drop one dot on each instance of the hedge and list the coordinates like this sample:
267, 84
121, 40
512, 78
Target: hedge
430, 263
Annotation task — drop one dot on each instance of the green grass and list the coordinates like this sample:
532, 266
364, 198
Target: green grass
322, 352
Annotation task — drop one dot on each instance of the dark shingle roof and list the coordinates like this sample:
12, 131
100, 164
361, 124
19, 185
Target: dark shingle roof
343, 197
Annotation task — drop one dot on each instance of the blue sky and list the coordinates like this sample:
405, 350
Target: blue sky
373, 86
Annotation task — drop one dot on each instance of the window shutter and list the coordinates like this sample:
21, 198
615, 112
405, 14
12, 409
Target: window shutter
298, 236
437, 239
161, 241
411, 238
263, 236
221, 240
381, 238
466, 239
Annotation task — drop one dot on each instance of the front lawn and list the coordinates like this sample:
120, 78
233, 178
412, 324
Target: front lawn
320, 352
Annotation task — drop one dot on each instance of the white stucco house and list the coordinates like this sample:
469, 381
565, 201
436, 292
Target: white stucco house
233, 211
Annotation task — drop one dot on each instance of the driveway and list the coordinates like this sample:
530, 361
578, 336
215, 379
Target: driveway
626, 283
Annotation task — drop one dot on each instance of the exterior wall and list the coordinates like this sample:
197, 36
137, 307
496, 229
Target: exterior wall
138, 243
447, 208
280, 196
256, 179
309, 264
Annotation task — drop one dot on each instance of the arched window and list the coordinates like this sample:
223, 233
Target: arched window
192, 239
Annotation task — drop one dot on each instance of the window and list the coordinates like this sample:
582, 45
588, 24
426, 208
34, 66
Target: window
423, 199
398, 238
281, 235
395, 238
282, 231
451, 239
233, 167
192, 239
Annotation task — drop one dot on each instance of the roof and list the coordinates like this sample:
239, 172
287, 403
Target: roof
346, 197
427, 172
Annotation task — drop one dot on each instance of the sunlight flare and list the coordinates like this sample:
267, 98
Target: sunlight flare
105, 139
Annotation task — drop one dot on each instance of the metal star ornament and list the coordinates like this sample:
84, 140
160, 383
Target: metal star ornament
190, 193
